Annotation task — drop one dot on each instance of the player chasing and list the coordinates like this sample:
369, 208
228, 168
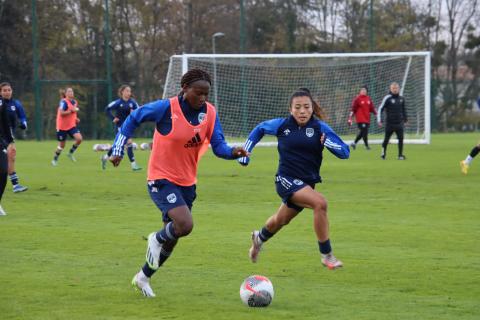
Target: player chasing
362, 106
67, 121
185, 125
395, 119
122, 108
15, 112
301, 140
465, 164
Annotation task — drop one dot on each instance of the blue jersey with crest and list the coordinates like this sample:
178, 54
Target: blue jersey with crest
121, 108
299, 147
15, 112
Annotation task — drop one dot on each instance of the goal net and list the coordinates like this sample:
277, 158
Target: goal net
249, 89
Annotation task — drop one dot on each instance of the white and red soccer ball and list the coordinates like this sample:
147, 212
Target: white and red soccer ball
256, 291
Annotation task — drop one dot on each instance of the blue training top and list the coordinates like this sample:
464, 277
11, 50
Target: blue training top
15, 111
160, 112
121, 108
300, 148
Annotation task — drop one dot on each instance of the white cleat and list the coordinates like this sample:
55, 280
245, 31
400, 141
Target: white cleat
2, 212
19, 188
135, 166
142, 283
72, 157
54, 162
256, 246
153, 251
329, 261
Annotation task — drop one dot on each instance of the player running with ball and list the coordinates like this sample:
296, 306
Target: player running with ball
185, 125
301, 140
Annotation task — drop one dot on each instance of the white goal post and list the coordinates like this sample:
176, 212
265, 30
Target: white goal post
250, 88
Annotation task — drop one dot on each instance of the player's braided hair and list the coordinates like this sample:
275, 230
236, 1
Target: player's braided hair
304, 92
194, 75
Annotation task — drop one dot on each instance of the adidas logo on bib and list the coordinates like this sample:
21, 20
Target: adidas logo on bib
194, 142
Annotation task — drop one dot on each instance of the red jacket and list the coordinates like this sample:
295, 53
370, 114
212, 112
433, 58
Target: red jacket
362, 106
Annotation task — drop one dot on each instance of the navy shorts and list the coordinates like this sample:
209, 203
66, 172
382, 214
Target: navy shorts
286, 186
62, 134
167, 196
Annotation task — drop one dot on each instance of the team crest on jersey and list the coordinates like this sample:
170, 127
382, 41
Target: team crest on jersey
286, 132
393, 100
172, 198
309, 132
201, 117
13, 108
298, 182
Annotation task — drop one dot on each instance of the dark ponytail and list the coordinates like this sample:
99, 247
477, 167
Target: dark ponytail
305, 92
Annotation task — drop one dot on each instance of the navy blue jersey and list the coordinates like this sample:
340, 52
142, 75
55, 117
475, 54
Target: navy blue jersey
121, 108
299, 147
159, 112
15, 113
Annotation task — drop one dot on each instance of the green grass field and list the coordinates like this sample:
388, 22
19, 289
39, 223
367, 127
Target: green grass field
408, 233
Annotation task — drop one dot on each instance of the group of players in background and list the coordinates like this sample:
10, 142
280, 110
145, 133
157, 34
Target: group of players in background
185, 125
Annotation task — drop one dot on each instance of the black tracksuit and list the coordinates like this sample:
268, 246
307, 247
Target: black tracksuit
395, 118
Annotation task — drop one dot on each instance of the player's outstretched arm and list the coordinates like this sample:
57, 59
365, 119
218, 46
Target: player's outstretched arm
334, 143
267, 127
151, 112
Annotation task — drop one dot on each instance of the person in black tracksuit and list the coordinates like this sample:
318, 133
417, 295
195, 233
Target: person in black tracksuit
395, 119
6, 137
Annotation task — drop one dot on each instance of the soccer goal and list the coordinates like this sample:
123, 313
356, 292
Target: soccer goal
251, 88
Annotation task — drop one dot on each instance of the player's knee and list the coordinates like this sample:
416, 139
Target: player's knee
320, 205
183, 227
12, 153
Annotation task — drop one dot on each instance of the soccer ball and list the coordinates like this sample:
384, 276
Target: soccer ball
101, 147
145, 146
256, 291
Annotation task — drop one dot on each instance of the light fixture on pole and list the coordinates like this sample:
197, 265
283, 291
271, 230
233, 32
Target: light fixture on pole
215, 35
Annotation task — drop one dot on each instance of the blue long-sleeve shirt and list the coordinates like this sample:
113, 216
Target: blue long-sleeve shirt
299, 148
121, 108
15, 112
160, 112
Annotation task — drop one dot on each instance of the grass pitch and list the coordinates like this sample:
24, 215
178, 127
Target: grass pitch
408, 233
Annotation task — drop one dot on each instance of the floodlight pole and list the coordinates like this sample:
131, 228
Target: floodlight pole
108, 60
215, 96
36, 77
